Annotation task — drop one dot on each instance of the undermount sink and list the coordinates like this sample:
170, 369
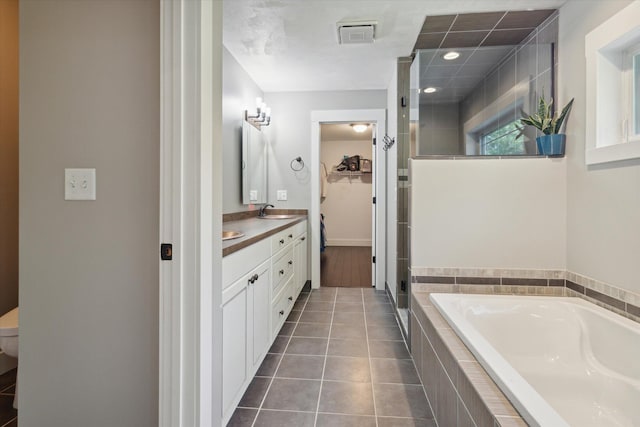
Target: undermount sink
228, 235
276, 217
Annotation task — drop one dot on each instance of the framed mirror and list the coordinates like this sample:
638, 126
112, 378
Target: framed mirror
254, 165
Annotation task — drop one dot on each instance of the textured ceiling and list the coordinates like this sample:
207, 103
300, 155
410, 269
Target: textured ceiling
291, 45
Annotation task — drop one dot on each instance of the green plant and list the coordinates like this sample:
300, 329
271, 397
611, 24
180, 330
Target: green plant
545, 119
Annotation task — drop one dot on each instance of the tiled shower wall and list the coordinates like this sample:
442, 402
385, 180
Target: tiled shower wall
531, 61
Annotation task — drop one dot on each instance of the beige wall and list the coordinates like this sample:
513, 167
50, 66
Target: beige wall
8, 155
603, 202
89, 97
347, 208
488, 213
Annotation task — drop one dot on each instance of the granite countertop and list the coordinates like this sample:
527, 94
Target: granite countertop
254, 230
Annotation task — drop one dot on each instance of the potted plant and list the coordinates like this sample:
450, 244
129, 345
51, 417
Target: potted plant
552, 143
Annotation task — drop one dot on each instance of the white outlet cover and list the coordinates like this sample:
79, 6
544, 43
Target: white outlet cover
79, 184
281, 195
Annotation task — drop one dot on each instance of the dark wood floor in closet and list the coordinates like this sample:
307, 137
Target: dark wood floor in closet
346, 266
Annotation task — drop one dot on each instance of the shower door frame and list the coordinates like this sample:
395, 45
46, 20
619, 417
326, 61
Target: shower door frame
373, 116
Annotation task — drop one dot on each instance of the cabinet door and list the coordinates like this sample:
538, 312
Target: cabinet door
234, 349
260, 298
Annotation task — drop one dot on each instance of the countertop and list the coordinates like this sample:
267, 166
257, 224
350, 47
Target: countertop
254, 230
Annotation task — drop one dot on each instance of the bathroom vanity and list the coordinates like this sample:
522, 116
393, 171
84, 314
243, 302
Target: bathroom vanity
263, 272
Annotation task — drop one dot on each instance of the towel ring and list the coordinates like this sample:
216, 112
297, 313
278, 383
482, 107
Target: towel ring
298, 160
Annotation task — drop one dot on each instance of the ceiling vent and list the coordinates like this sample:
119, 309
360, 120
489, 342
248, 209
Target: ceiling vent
356, 32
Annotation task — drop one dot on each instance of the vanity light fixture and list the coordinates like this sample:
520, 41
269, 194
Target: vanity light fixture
262, 115
430, 90
359, 127
450, 56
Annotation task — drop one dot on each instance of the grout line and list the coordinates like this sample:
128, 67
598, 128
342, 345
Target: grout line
326, 352
279, 362
373, 392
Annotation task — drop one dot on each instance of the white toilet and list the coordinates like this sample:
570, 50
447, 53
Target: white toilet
9, 339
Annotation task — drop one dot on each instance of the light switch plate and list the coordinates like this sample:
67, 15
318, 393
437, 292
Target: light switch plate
79, 184
253, 195
281, 195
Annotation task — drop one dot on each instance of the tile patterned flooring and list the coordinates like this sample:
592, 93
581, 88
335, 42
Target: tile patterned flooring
8, 415
339, 360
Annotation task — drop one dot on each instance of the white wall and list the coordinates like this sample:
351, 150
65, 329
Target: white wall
603, 227
239, 93
89, 97
290, 137
488, 213
347, 207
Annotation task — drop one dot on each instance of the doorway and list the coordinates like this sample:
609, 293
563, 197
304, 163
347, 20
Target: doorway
346, 201
377, 121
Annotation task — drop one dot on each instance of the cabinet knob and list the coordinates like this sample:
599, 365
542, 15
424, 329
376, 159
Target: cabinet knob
281, 312
291, 236
250, 280
290, 298
290, 262
281, 272
255, 277
282, 241
303, 238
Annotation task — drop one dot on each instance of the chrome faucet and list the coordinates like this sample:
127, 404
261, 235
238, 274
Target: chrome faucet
262, 212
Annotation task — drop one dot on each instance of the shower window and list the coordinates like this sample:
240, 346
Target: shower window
506, 140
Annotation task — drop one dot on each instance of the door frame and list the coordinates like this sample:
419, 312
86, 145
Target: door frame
374, 116
190, 317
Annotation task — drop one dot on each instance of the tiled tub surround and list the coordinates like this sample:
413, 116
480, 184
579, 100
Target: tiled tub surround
339, 360
527, 282
561, 361
459, 390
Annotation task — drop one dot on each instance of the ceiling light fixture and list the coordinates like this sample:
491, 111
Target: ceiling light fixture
359, 127
450, 56
430, 90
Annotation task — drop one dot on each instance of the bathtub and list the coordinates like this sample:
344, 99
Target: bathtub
560, 361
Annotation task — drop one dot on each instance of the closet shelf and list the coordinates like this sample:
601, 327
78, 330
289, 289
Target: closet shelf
336, 172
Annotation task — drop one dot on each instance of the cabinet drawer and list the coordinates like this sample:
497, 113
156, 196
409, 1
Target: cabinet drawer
281, 307
282, 270
281, 239
238, 263
300, 228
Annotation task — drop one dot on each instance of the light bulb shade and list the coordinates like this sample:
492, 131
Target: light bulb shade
359, 127
430, 90
450, 56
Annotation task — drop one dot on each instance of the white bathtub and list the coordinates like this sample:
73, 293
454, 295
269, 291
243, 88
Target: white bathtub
560, 361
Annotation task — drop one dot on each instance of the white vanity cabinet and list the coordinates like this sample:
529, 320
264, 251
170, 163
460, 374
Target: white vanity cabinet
261, 283
246, 335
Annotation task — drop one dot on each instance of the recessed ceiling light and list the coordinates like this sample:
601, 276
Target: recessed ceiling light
450, 56
430, 90
359, 127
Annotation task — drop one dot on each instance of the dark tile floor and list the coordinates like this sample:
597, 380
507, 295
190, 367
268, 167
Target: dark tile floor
339, 360
8, 415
